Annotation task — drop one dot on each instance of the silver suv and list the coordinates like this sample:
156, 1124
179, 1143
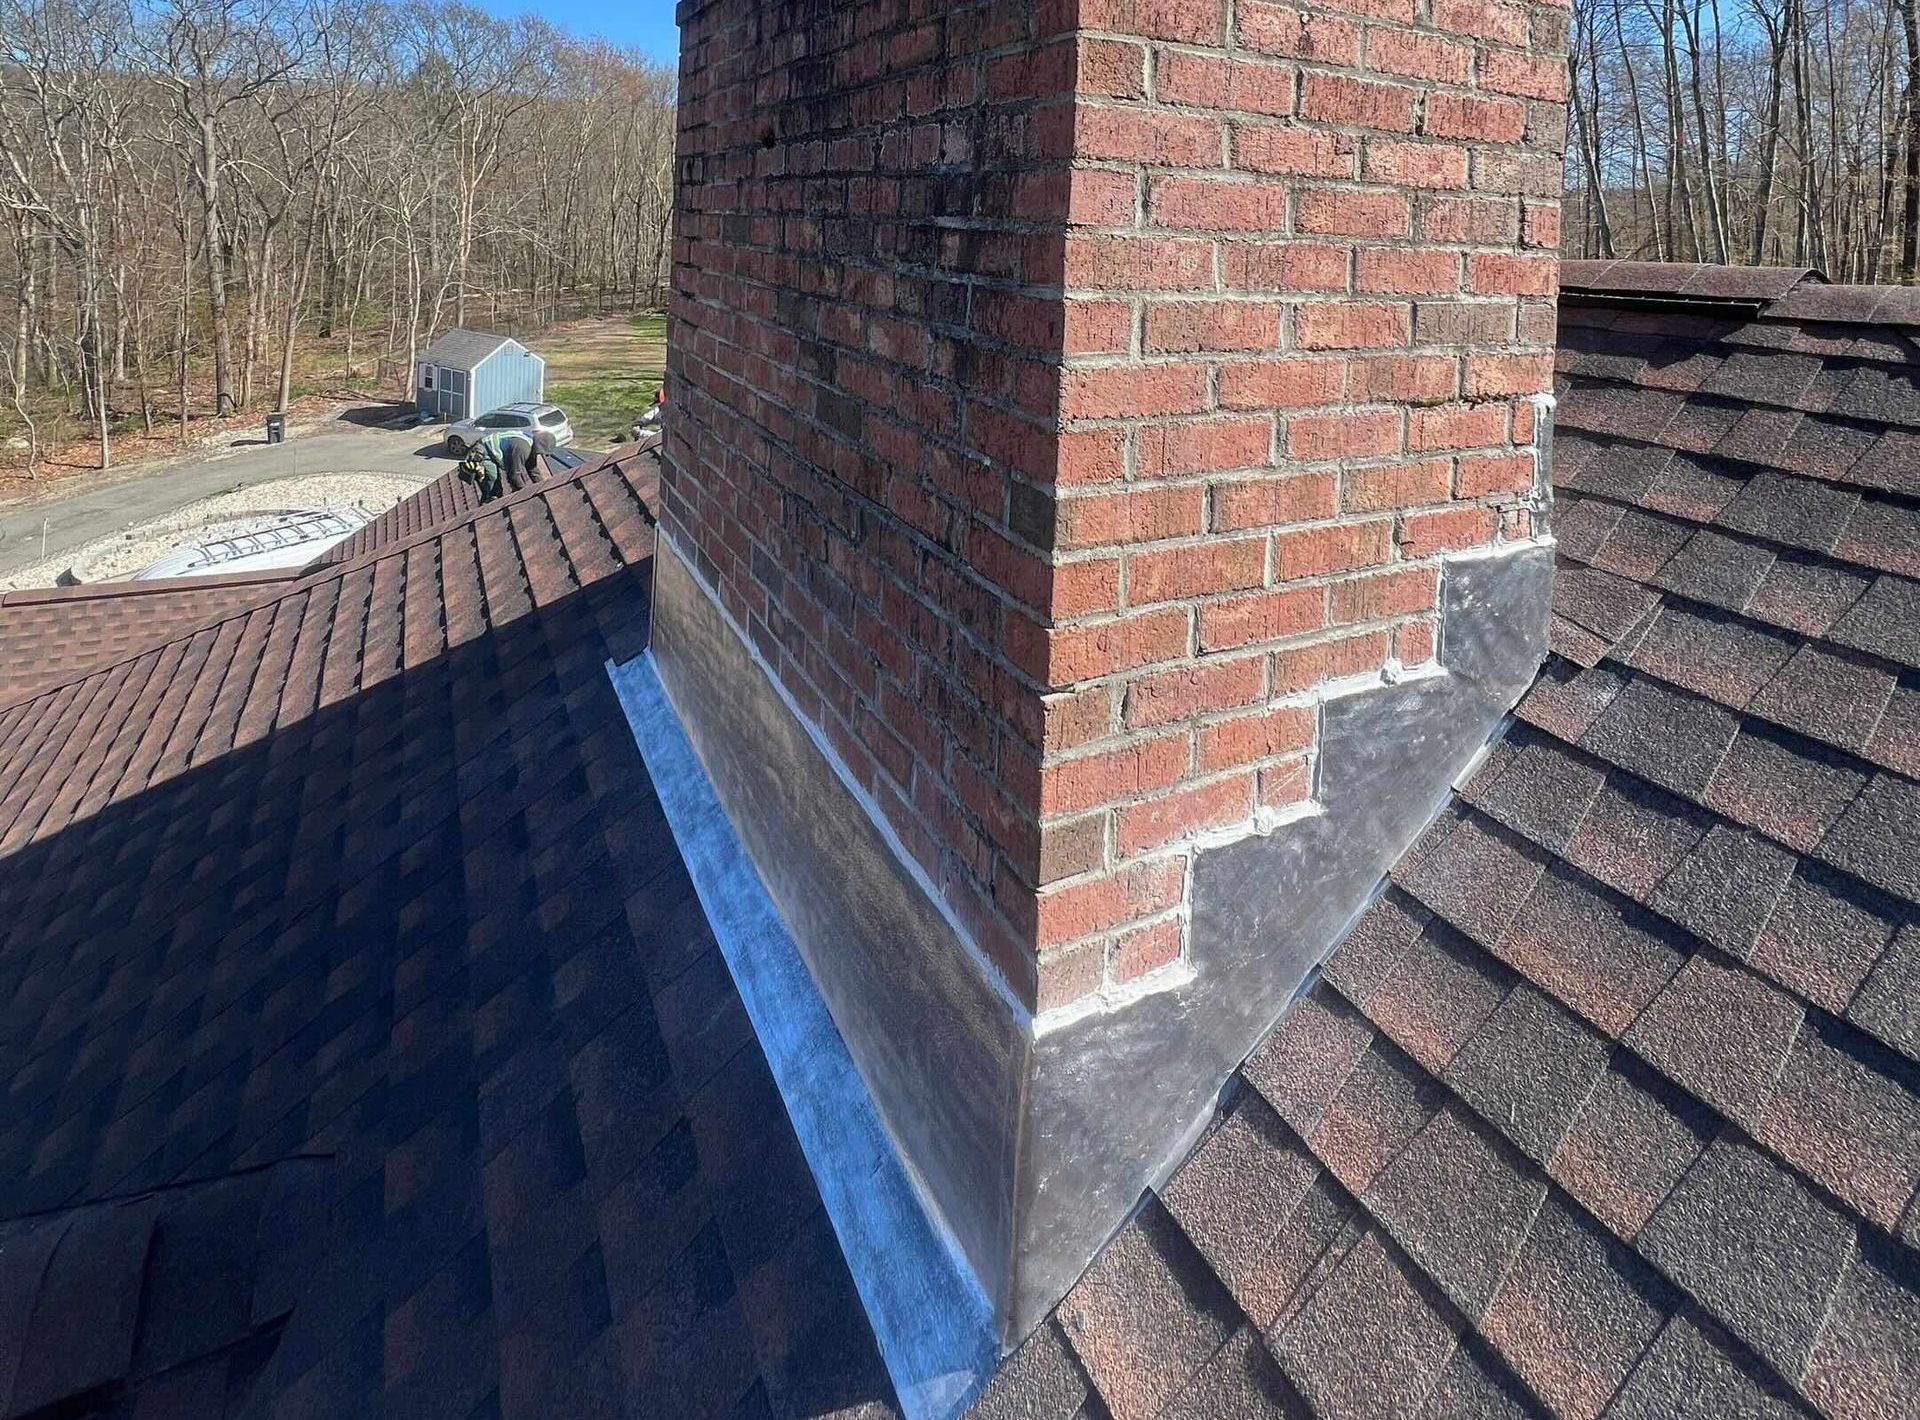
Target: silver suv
525, 418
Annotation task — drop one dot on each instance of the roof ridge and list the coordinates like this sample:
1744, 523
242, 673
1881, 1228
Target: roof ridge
320, 576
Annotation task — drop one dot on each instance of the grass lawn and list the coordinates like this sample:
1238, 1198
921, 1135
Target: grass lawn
604, 372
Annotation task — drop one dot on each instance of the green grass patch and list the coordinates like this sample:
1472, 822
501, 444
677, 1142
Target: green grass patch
603, 409
604, 373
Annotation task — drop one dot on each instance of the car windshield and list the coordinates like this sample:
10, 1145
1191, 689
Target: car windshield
553, 417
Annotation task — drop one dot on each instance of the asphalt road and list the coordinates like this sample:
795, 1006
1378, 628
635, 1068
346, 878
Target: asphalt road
77, 512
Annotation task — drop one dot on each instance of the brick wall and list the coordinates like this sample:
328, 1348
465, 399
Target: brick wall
1067, 392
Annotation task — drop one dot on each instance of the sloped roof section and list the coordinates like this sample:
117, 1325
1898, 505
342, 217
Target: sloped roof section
1610, 1106
462, 349
49, 635
369, 878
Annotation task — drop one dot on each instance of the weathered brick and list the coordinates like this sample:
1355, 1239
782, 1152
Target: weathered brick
1222, 204
1274, 502
1353, 325
1265, 616
1281, 384
1138, 515
1304, 667
1068, 911
1344, 434
1218, 82
1166, 818
1185, 327
1183, 692
1474, 116
1268, 733
1304, 152
1336, 547
1167, 574
1133, 391
1111, 776
1356, 103
1287, 266
1400, 271
1174, 449
1293, 32
1383, 487
1331, 212
1428, 165
1386, 594
1418, 56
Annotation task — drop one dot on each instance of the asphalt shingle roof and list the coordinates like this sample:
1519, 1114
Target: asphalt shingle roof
343, 942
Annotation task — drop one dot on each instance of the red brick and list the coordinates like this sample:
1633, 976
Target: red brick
1463, 322
1357, 103
1400, 485
1096, 328
1303, 152
1180, 693
1457, 426
1182, 327
1110, 67
1144, 515
1218, 204
1483, 19
1284, 785
1419, 56
1399, 271
1530, 174
1246, 739
1266, 616
1508, 374
1344, 433
1133, 391
1171, 450
1414, 643
1091, 456
1076, 717
1197, 570
1353, 325
1073, 910
1498, 273
1153, 823
1287, 266
1338, 547
1097, 197
1414, 379
1194, 21
1137, 263
1087, 587
1281, 384
1470, 219
1424, 534
1147, 136
1072, 786
1542, 224
1528, 76
1285, 30
1339, 213
1431, 165
1386, 595
1308, 666
1274, 502
1217, 82
1494, 473
1473, 116
1143, 950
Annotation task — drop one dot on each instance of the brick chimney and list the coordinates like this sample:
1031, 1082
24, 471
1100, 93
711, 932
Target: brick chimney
1102, 513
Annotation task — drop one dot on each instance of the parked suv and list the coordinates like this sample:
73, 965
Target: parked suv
526, 417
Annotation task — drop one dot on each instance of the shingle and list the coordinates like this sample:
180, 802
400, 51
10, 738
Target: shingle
1888, 1004
1604, 958
1679, 365
1634, 835
1634, 1139
1835, 698
1786, 509
1304, 1063
1759, 437
1543, 792
1377, 941
1437, 995
1878, 838
1756, 1247
1771, 378
1863, 1366
1721, 1032
1566, 699
1305, 1251
1893, 463
1233, 1196
1600, 601
1880, 395
1848, 1125
1145, 1317
1806, 594
1471, 1389
1725, 890
1825, 448
1823, 938
1667, 737
1476, 878
81, 1329
1369, 1344
1459, 1202
1883, 535
1712, 653
1618, 410
1581, 524
1040, 1381
1885, 621
1385, 1102
1700, 424
1896, 744
1794, 792
1573, 1315
1640, 544
1529, 1070
1687, 1375
1242, 1380
1718, 569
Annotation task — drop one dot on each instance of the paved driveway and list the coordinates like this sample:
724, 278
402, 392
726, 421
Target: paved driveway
77, 512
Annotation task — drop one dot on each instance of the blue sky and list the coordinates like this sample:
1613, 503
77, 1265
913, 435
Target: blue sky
644, 24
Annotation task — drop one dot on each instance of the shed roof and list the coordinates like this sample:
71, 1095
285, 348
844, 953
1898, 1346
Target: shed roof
463, 349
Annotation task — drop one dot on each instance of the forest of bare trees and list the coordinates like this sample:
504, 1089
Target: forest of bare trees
194, 190
1747, 131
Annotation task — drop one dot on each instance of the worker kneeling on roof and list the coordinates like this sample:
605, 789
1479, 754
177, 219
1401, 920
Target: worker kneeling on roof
503, 461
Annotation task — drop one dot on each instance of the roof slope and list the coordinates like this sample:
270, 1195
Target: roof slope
1610, 1105
463, 349
371, 875
51, 634
446, 499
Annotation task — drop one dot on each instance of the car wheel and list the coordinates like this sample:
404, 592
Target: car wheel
456, 445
